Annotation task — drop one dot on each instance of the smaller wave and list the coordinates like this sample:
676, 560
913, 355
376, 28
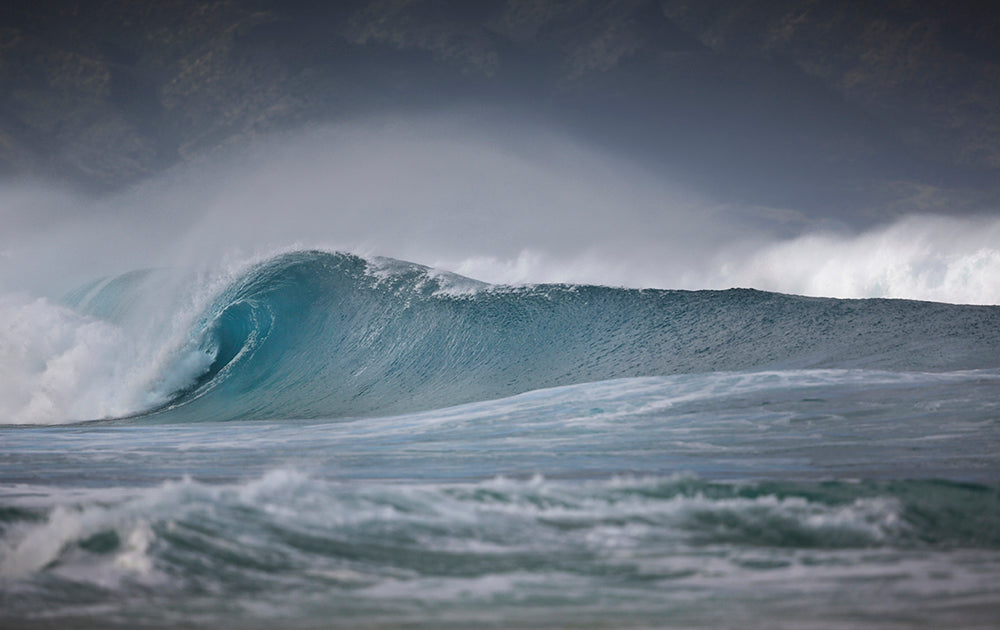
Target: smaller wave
290, 523
293, 550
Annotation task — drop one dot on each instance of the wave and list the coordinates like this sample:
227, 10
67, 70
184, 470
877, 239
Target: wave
348, 549
312, 334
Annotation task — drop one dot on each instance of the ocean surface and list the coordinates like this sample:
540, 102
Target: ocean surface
320, 440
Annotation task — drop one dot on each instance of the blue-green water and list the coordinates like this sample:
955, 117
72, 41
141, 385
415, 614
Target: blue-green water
319, 440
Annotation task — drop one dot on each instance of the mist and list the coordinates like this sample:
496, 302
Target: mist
498, 200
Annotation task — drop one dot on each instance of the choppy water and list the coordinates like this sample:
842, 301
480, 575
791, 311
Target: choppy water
319, 440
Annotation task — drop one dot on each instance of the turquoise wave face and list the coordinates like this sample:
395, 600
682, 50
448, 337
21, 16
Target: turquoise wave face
313, 334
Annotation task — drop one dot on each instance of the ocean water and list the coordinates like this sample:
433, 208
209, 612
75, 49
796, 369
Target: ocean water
319, 440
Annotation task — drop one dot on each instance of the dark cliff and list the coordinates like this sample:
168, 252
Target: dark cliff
777, 101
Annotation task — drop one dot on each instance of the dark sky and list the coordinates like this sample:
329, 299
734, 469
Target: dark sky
821, 147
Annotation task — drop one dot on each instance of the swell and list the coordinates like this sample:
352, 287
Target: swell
314, 334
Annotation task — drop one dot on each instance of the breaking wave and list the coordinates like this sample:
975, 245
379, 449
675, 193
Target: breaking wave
311, 334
